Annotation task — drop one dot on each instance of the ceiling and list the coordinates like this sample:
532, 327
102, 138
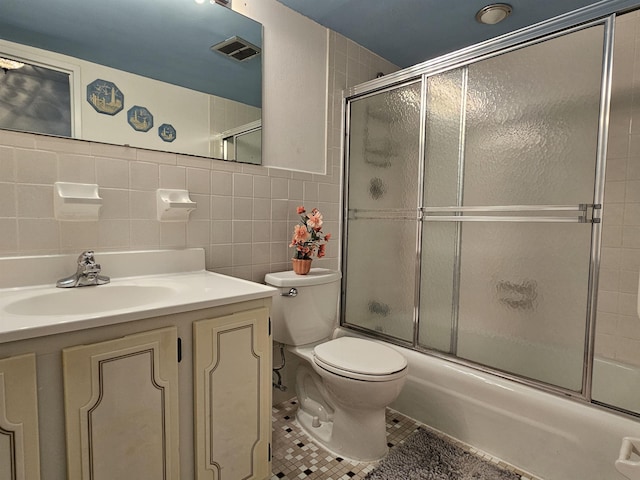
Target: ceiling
407, 32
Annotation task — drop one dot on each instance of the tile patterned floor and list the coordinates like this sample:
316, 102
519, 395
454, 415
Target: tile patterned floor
295, 456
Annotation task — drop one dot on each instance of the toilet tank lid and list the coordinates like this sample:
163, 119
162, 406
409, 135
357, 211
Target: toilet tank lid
316, 276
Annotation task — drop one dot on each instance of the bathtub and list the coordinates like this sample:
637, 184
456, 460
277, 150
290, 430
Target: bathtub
552, 437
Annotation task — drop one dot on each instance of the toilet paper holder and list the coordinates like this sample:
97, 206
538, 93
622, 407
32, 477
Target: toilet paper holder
628, 462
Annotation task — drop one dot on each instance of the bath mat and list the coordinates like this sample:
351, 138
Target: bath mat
426, 456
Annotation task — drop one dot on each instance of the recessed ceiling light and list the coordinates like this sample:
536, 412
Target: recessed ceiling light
494, 13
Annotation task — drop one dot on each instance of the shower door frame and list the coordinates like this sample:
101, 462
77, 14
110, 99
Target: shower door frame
602, 13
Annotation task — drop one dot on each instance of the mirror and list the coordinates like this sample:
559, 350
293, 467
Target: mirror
155, 57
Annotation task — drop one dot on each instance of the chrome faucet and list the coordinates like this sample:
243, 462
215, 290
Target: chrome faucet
88, 273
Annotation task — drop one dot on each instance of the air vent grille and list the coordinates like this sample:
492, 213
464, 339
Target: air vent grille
237, 48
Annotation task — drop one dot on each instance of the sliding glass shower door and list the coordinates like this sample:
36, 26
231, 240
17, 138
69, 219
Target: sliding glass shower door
469, 209
383, 194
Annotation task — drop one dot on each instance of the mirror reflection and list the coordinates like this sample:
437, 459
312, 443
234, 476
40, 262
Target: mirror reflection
188, 76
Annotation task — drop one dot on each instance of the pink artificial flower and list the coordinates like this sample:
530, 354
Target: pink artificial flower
321, 251
300, 234
300, 210
315, 220
327, 237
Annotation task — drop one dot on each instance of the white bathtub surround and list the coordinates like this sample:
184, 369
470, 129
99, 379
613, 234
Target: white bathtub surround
552, 437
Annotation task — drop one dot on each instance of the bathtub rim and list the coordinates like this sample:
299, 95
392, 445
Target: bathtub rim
578, 397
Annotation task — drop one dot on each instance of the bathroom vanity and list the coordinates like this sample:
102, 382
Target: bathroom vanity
163, 373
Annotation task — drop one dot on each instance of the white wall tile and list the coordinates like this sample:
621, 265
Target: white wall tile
78, 236
173, 177
34, 166
9, 237
7, 164
113, 234
38, 235
242, 208
144, 175
173, 234
7, 200
35, 201
221, 232
198, 180
242, 185
115, 203
111, 172
221, 183
144, 233
76, 168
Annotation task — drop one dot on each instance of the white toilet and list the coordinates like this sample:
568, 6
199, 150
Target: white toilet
344, 385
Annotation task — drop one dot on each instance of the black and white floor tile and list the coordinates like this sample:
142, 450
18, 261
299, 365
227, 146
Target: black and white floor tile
295, 456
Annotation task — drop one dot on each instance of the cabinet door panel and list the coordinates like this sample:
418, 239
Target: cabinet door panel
121, 408
19, 453
232, 371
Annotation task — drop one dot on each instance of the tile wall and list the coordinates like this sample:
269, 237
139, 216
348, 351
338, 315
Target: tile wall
618, 324
245, 213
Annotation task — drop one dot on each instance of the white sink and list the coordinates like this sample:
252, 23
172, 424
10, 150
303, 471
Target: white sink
89, 300
144, 284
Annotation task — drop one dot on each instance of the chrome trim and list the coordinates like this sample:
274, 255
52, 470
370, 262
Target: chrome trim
346, 125
484, 218
292, 292
422, 159
598, 199
511, 208
389, 214
457, 252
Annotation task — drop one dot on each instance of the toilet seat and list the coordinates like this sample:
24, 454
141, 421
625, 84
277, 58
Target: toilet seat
360, 359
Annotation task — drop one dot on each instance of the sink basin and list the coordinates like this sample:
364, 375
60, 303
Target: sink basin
89, 300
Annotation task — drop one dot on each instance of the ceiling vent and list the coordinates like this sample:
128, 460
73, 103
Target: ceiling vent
237, 48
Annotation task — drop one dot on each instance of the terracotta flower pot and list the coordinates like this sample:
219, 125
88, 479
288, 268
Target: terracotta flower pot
301, 265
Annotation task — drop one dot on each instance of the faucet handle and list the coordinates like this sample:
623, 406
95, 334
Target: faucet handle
87, 264
86, 258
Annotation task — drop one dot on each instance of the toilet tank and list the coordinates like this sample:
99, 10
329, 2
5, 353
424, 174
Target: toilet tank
310, 315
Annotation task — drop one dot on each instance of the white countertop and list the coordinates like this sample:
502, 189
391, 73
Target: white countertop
29, 311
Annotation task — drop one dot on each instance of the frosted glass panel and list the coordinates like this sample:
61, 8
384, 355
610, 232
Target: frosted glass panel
437, 286
380, 276
384, 150
532, 123
523, 298
443, 138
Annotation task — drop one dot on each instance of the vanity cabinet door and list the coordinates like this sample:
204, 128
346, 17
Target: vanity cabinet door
19, 451
121, 408
232, 382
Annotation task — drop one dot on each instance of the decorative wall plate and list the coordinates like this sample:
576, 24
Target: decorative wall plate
105, 97
140, 118
166, 132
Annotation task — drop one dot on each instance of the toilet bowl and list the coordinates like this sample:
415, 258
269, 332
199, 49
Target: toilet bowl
343, 385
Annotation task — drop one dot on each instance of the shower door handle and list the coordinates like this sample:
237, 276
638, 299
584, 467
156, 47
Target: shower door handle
428, 213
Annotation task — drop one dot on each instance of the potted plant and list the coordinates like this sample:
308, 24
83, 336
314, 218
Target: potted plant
308, 240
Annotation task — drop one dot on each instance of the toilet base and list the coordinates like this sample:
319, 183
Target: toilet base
349, 440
